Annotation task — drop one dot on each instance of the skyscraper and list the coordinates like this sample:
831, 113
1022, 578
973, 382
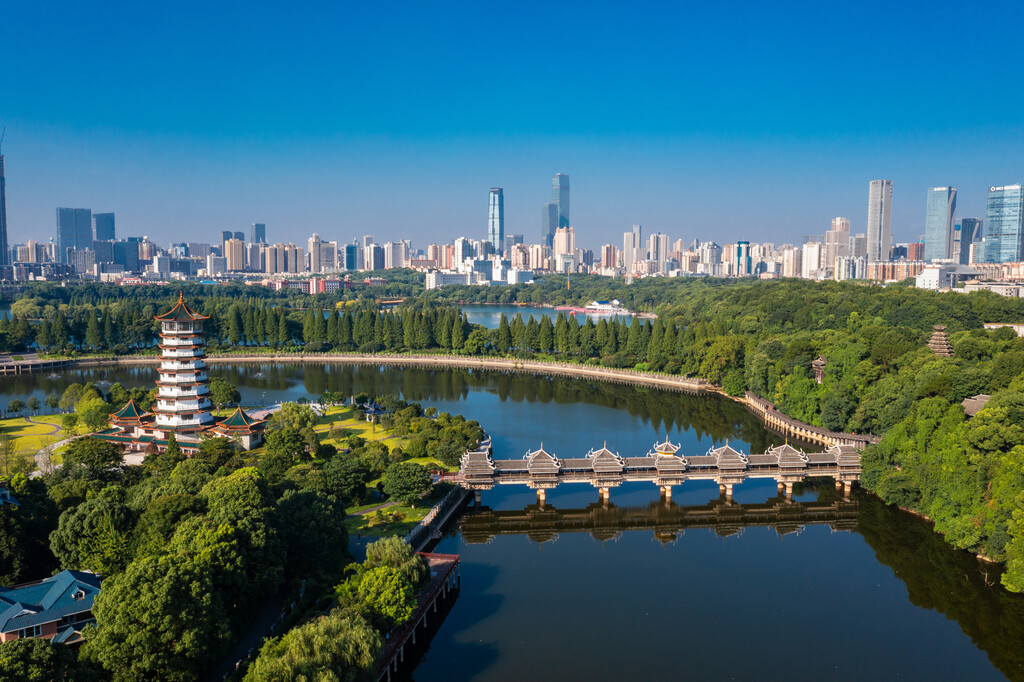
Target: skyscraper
548, 223
560, 197
5, 255
744, 266
240, 236
103, 226
496, 219
632, 244
966, 232
74, 231
259, 233
938, 223
1004, 223
837, 241
234, 255
879, 219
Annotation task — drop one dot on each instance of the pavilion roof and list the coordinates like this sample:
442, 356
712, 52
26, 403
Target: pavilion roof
728, 457
129, 411
604, 459
666, 448
541, 461
240, 420
180, 312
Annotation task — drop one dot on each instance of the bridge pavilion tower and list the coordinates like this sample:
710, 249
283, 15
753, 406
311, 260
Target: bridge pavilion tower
183, 404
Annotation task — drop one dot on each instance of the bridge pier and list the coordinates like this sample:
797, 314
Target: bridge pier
721, 488
476, 498
789, 490
603, 495
839, 484
728, 492
847, 487
666, 493
782, 487
541, 497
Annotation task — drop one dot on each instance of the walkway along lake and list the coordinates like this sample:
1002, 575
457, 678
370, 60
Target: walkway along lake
637, 593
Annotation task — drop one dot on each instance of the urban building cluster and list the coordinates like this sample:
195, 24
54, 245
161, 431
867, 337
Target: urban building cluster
952, 249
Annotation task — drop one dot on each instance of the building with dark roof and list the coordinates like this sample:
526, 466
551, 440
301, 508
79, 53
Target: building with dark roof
55, 608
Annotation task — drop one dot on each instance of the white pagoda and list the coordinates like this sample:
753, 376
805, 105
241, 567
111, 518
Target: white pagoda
183, 403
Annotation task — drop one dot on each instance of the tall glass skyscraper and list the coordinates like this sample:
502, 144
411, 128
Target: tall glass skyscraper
879, 220
74, 231
496, 220
560, 197
548, 223
103, 226
966, 232
940, 213
5, 251
1004, 224
259, 233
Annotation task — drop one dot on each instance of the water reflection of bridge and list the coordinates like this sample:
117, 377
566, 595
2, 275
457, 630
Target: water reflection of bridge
667, 520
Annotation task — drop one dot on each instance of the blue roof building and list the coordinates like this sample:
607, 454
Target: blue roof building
54, 608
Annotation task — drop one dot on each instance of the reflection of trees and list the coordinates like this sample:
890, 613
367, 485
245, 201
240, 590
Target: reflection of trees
952, 582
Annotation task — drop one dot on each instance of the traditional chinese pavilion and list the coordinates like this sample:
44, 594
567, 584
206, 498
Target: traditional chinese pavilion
183, 404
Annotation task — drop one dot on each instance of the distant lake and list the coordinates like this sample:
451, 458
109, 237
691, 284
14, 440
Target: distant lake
490, 315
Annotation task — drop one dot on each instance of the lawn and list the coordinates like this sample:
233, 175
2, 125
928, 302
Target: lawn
397, 520
29, 438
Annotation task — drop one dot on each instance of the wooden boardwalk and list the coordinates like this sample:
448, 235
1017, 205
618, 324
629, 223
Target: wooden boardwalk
446, 580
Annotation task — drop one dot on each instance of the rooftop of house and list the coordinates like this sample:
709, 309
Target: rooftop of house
48, 600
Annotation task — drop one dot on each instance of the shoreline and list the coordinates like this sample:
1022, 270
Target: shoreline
763, 409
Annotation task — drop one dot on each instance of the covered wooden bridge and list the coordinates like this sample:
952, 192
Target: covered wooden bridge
664, 465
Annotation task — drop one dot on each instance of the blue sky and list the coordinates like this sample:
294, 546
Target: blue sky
732, 121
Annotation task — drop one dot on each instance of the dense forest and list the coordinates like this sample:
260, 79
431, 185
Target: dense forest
190, 547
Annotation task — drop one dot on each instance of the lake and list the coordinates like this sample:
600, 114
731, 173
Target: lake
579, 596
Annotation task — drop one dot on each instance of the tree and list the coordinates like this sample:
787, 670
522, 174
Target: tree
345, 478
96, 534
312, 527
8, 451
15, 406
449, 453
31, 659
223, 393
394, 552
52, 401
216, 451
33, 404
97, 456
69, 424
161, 619
331, 647
388, 594
406, 481
93, 412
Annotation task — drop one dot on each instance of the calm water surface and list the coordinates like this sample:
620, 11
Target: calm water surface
490, 315
576, 595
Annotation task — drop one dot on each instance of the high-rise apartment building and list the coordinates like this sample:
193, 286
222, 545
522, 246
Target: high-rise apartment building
657, 251
837, 241
565, 241
103, 227
940, 214
259, 233
5, 249
395, 255
966, 232
879, 220
1004, 224
314, 253
609, 256
792, 262
632, 246
548, 223
240, 236
560, 196
226, 235
496, 219
744, 265
811, 260
234, 255
74, 231
373, 257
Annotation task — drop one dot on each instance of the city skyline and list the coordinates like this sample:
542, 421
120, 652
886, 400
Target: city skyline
179, 157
